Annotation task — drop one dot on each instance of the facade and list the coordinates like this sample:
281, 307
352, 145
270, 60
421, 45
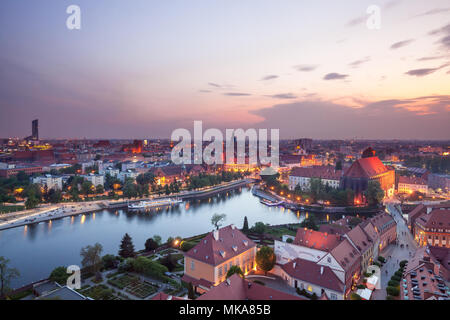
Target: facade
363, 244
95, 179
207, 264
48, 181
411, 184
368, 168
386, 228
422, 278
14, 170
433, 228
302, 177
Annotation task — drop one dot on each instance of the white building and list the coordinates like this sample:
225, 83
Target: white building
95, 179
302, 177
112, 172
49, 181
122, 176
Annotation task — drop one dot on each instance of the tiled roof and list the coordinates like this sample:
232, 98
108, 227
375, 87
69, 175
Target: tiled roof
436, 219
366, 167
359, 239
345, 254
230, 242
316, 239
313, 273
411, 180
237, 288
323, 172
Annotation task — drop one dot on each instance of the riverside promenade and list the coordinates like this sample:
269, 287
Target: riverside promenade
63, 210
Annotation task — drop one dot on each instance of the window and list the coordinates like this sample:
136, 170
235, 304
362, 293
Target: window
333, 296
225, 267
220, 271
192, 265
310, 288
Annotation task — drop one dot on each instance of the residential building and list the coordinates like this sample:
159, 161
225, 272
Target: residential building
439, 181
48, 181
421, 279
412, 184
207, 264
363, 244
433, 228
386, 228
95, 179
302, 177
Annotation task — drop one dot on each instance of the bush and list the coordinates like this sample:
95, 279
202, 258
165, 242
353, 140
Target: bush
390, 298
382, 259
393, 291
399, 273
149, 268
361, 286
187, 245
109, 261
403, 263
396, 278
59, 275
355, 296
377, 264
126, 265
289, 240
393, 283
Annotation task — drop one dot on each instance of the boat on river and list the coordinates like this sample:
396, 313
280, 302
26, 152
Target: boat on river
157, 203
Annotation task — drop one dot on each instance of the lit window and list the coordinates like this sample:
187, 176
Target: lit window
192, 265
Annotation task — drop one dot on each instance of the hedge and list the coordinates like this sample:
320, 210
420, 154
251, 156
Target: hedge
393, 291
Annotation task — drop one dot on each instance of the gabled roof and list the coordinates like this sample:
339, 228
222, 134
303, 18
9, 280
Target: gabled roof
313, 273
316, 239
359, 239
230, 242
365, 168
345, 254
323, 172
237, 288
437, 219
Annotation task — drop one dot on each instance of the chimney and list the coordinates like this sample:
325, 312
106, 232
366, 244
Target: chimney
216, 234
295, 264
429, 209
321, 270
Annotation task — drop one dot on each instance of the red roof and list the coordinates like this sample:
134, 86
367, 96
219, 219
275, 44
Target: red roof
313, 273
316, 239
164, 296
230, 242
366, 167
237, 288
411, 180
346, 255
323, 172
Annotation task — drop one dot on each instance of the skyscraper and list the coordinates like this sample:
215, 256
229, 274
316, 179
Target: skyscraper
35, 129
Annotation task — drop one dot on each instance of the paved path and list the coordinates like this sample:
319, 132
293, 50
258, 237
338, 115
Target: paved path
395, 252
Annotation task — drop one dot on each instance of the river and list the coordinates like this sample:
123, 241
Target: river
35, 250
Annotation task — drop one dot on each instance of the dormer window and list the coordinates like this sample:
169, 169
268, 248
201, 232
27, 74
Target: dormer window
222, 253
234, 248
245, 242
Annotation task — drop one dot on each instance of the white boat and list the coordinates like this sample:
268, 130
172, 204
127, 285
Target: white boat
154, 204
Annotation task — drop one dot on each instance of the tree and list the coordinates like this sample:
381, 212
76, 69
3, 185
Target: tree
91, 257
87, 188
245, 227
259, 227
6, 275
217, 219
145, 178
168, 261
235, 270
338, 165
109, 261
191, 293
59, 275
127, 247
99, 189
130, 189
32, 202
265, 259
374, 194
151, 244
310, 223
157, 239
54, 196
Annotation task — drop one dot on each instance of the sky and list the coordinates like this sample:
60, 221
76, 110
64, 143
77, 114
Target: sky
143, 68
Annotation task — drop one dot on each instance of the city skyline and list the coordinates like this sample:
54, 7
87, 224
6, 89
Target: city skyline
311, 70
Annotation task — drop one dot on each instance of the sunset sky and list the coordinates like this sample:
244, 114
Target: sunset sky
142, 68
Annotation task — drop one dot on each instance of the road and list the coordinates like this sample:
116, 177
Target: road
395, 252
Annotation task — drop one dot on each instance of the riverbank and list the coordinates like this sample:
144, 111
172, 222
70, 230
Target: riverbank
61, 211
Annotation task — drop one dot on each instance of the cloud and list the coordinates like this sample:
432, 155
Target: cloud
433, 11
204, 91
335, 76
445, 31
236, 94
283, 96
384, 119
305, 67
430, 58
425, 71
357, 21
357, 63
391, 4
269, 77
401, 44
212, 84
421, 72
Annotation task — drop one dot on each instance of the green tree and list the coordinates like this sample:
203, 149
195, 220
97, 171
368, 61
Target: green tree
91, 257
259, 227
59, 275
6, 275
310, 223
374, 194
150, 245
245, 227
99, 189
130, 189
127, 247
157, 239
191, 293
87, 188
32, 202
54, 196
217, 220
109, 261
235, 270
265, 259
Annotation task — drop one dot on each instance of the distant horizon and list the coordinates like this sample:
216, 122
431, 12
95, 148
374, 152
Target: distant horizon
308, 68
